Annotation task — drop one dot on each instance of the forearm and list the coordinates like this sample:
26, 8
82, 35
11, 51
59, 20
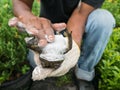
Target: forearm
22, 7
78, 19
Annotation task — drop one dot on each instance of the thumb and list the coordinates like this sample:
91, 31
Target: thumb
59, 26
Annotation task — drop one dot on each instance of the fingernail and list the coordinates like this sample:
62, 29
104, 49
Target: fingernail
50, 38
42, 43
12, 23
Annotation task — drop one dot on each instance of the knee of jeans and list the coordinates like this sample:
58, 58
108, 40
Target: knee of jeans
101, 20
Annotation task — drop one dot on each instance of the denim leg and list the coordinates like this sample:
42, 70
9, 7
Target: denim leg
30, 58
98, 29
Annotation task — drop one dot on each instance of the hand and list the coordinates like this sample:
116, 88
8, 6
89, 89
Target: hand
39, 27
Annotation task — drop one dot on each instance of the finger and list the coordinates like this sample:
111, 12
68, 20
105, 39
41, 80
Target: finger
42, 43
59, 26
42, 39
21, 27
36, 22
32, 30
39, 34
34, 27
46, 25
49, 38
13, 22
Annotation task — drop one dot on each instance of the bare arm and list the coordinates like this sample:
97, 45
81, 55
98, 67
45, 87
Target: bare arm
22, 8
77, 21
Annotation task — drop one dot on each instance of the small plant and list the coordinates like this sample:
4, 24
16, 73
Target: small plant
114, 7
13, 51
110, 64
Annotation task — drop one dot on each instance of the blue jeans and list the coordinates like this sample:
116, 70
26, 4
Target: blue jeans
98, 29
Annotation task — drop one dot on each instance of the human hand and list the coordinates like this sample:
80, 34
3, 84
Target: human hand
42, 28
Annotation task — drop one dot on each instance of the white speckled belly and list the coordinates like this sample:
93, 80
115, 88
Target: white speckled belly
55, 51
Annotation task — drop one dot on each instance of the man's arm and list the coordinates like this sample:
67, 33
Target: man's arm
77, 21
38, 26
22, 8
